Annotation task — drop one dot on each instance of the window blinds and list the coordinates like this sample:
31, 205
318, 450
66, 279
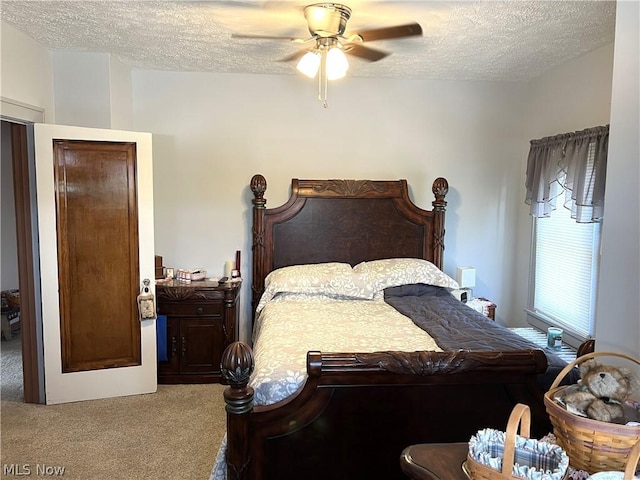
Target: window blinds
565, 270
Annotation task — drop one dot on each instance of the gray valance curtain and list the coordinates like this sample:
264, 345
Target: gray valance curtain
571, 163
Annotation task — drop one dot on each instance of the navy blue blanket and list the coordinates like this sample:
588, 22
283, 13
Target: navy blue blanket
455, 326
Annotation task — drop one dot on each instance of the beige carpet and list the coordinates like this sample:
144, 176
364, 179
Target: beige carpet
172, 434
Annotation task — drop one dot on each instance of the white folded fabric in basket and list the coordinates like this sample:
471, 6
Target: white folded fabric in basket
534, 459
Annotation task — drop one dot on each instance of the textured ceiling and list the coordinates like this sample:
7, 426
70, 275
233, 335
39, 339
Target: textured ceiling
463, 40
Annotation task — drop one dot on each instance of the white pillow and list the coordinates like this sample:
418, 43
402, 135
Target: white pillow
393, 272
334, 279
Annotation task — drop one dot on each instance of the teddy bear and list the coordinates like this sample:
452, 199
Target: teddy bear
603, 391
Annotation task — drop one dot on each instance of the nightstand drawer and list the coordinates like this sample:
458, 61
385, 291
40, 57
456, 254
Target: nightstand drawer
189, 309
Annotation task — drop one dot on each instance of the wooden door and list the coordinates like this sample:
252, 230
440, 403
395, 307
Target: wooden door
97, 230
95, 219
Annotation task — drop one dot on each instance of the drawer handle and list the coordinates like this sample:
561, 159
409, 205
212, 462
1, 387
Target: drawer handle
184, 346
200, 311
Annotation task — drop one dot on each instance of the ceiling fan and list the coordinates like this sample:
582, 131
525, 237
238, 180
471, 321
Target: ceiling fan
327, 24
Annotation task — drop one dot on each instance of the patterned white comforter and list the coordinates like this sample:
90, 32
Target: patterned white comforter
290, 325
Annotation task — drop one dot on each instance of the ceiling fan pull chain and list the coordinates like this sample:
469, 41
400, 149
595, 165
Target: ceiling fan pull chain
320, 81
324, 81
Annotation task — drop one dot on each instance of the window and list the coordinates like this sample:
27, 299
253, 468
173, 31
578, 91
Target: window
564, 273
565, 184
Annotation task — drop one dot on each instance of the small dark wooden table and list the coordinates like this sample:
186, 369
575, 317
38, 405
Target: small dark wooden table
435, 461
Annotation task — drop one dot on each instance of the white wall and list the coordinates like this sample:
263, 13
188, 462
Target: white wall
26, 71
26, 81
618, 312
213, 132
121, 95
92, 90
82, 89
571, 97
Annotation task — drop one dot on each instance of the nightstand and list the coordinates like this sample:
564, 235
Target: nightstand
201, 321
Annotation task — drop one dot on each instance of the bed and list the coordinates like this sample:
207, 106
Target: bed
353, 404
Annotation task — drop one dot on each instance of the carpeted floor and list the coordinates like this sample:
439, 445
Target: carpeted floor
172, 434
11, 369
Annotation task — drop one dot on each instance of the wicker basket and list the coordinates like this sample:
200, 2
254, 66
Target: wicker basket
520, 416
592, 445
629, 471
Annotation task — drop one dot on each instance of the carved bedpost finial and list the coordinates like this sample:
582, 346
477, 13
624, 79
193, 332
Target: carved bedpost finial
236, 366
258, 187
440, 189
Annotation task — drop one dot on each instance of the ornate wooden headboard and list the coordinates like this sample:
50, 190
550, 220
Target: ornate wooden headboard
343, 221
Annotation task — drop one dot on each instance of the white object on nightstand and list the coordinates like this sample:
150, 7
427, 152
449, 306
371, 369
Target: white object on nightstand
480, 305
466, 278
461, 294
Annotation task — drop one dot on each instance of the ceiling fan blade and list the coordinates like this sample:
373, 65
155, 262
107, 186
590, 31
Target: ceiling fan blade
366, 53
294, 56
239, 4
265, 37
398, 31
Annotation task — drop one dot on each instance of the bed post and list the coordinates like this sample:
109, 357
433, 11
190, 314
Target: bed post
258, 187
237, 365
440, 189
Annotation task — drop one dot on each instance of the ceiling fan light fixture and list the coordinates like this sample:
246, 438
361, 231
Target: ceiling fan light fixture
309, 63
337, 64
327, 19
326, 60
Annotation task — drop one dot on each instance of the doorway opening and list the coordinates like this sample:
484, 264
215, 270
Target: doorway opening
11, 347
19, 240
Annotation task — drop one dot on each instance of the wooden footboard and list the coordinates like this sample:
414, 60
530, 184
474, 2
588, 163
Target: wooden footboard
357, 412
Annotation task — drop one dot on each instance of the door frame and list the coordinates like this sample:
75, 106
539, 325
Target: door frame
19, 115
89, 384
